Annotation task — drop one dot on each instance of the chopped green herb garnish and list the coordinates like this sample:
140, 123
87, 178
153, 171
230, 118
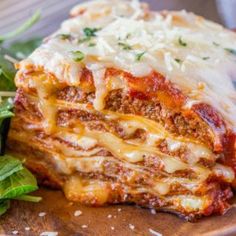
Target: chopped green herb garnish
78, 56
125, 46
64, 36
92, 44
216, 44
178, 60
182, 43
139, 56
205, 58
83, 40
128, 35
90, 32
231, 50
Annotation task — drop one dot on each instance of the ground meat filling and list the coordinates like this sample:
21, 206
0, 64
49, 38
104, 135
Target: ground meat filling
118, 101
174, 122
76, 95
96, 121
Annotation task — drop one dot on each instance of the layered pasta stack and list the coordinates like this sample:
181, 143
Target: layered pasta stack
123, 104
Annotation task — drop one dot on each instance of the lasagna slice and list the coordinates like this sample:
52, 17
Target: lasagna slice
126, 105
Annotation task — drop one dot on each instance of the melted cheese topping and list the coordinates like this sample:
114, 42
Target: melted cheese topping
181, 46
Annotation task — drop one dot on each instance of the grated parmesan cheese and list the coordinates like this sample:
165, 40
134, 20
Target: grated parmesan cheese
132, 227
48, 233
77, 213
84, 226
42, 214
153, 212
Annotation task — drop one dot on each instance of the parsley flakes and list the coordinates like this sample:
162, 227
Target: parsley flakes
231, 50
64, 36
182, 43
139, 56
125, 46
128, 35
178, 60
83, 40
78, 56
216, 44
92, 44
90, 32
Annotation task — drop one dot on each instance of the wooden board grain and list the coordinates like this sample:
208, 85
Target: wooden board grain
100, 221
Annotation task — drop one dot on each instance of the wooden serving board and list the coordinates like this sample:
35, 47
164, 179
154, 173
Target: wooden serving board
119, 220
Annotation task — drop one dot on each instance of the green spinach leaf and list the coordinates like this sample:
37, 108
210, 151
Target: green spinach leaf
8, 166
15, 180
20, 183
7, 104
22, 49
5, 110
8, 72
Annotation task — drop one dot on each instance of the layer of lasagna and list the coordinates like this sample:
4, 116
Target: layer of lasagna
126, 105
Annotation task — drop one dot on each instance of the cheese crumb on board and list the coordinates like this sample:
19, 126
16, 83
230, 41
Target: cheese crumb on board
78, 213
